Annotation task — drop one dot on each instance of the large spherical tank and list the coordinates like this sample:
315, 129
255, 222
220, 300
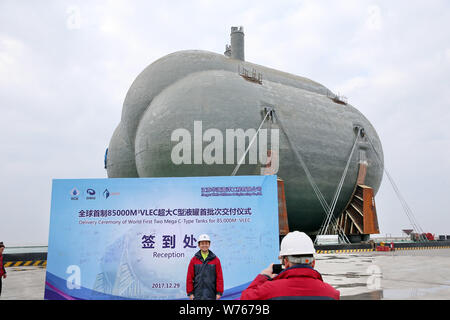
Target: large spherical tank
198, 88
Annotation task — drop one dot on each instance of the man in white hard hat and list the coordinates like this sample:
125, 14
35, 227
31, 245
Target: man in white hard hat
298, 279
204, 278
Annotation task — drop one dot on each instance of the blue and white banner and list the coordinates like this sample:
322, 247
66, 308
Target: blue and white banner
133, 238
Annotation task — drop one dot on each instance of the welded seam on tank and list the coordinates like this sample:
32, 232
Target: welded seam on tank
142, 114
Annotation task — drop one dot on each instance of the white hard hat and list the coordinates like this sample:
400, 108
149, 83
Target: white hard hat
297, 243
203, 237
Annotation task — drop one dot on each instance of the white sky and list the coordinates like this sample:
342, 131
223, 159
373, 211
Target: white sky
65, 68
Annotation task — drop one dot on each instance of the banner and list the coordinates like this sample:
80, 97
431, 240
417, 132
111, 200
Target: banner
133, 238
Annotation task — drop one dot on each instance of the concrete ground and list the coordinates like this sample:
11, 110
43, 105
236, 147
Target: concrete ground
406, 275
24, 283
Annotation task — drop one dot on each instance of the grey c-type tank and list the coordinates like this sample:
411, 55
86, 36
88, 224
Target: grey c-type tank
225, 92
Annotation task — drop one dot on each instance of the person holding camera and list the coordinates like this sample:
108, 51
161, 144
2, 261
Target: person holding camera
298, 279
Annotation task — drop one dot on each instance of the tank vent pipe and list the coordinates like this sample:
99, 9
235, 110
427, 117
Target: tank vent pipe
237, 43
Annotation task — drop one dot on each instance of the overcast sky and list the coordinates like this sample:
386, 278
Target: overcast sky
65, 68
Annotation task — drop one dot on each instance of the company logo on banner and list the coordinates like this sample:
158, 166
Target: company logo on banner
139, 245
90, 194
74, 193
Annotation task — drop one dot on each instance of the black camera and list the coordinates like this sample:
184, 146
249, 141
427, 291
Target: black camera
277, 268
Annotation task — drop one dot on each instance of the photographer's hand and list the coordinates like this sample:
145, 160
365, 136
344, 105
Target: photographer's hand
268, 271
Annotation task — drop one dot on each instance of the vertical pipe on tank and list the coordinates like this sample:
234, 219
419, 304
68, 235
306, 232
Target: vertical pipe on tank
237, 43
